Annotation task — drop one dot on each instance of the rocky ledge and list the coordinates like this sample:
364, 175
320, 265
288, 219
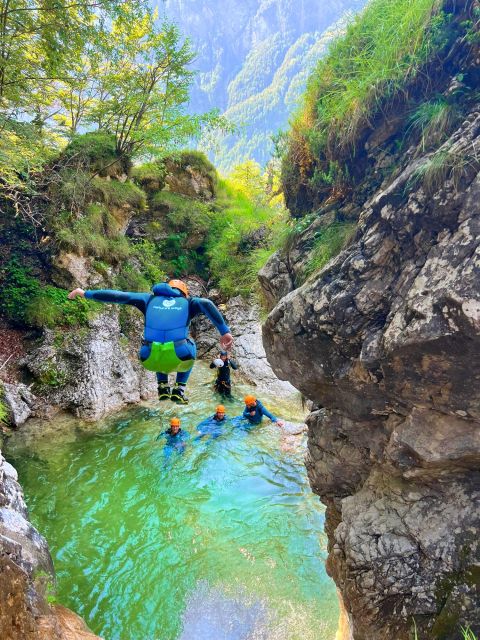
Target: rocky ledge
386, 342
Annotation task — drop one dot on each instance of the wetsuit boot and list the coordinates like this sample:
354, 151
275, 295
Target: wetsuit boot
178, 394
163, 392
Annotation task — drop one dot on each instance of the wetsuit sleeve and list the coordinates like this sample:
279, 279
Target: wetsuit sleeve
202, 305
233, 364
246, 413
138, 300
266, 412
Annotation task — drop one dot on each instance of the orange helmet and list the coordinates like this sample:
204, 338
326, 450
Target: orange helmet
220, 408
249, 400
180, 285
175, 422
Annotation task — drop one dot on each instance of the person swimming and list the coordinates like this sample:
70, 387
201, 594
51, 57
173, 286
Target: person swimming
213, 426
255, 410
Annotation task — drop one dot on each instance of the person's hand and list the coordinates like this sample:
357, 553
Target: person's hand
280, 423
76, 292
226, 341
218, 362
252, 413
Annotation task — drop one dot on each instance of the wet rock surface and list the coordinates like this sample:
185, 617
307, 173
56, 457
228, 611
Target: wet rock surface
391, 331
89, 372
243, 318
27, 575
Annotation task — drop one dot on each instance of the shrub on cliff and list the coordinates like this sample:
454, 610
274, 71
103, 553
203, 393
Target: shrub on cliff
27, 302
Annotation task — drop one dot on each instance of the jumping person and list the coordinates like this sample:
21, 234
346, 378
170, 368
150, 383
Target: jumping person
223, 383
254, 412
166, 346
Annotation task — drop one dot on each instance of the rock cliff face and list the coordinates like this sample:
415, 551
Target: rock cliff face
386, 342
26, 571
243, 317
90, 372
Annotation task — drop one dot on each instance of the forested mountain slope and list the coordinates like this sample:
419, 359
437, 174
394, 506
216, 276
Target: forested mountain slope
254, 58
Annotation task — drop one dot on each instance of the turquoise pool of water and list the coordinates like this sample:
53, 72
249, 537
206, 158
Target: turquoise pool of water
221, 541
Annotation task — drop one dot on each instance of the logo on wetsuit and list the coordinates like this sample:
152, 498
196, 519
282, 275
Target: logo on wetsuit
168, 305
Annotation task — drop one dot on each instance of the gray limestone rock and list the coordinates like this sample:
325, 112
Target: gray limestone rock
93, 371
391, 331
20, 402
243, 317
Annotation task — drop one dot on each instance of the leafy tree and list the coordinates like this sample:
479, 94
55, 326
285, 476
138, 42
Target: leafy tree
38, 41
143, 86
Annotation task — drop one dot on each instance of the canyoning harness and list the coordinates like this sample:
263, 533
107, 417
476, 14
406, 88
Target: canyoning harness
166, 347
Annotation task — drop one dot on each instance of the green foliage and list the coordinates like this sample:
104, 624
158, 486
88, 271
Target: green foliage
26, 302
183, 214
150, 176
328, 243
433, 121
50, 375
195, 159
144, 270
441, 166
3, 412
51, 308
95, 234
19, 287
110, 66
118, 194
240, 240
382, 50
97, 148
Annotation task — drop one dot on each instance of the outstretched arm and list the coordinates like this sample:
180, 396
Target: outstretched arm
205, 306
267, 413
139, 300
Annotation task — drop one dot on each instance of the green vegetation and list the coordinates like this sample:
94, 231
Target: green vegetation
96, 234
444, 164
109, 66
119, 194
26, 302
330, 240
434, 120
384, 48
365, 72
241, 239
150, 176
195, 159
465, 633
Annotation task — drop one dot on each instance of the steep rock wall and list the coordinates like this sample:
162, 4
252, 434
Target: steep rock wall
386, 342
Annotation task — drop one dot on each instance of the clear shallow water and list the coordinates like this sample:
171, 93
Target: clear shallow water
221, 542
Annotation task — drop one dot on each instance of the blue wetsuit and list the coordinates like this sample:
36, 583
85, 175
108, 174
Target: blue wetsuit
211, 426
175, 442
260, 411
167, 318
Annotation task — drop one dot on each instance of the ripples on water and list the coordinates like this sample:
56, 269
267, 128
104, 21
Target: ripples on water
221, 542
